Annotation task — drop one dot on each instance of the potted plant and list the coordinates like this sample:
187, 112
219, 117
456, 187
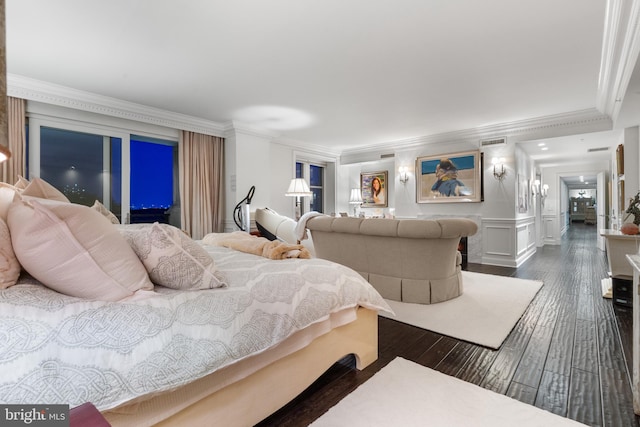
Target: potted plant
633, 209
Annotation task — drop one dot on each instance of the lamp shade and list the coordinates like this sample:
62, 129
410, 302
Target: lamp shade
298, 188
355, 196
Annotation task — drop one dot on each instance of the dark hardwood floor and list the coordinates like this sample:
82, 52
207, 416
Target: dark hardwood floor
569, 353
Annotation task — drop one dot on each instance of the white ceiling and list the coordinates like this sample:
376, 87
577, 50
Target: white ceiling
331, 73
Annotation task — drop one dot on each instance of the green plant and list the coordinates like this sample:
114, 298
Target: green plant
634, 209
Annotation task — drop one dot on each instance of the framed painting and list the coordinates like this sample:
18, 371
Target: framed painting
449, 178
523, 194
374, 189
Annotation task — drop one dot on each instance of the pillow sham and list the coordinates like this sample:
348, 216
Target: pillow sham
9, 265
171, 257
7, 193
43, 190
21, 183
97, 206
71, 248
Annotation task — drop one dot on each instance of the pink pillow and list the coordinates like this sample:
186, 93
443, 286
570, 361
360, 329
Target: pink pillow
9, 265
43, 190
71, 248
97, 206
7, 193
21, 183
172, 258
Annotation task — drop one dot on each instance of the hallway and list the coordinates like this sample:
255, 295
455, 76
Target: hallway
565, 355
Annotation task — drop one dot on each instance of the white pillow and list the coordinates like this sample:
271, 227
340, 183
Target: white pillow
71, 248
9, 265
105, 212
171, 257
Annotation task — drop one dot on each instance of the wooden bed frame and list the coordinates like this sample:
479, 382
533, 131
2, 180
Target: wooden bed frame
252, 399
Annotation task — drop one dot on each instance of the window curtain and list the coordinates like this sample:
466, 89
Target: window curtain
201, 171
16, 138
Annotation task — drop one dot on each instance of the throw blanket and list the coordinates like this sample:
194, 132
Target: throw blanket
300, 231
245, 242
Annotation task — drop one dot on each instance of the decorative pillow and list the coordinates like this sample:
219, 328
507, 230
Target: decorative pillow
71, 248
105, 212
171, 257
43, 190
7, 193
9, 265
21, 183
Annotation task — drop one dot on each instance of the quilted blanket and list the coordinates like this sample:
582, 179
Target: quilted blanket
61, 349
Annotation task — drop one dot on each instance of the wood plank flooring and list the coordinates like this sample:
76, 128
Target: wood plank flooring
569, 354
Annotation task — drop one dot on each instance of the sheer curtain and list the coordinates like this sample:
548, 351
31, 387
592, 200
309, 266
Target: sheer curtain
15, 165
201, 170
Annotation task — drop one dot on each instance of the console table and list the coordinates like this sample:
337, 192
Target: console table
634, 262
619, 245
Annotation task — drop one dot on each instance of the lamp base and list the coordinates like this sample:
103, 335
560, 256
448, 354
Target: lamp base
298, 208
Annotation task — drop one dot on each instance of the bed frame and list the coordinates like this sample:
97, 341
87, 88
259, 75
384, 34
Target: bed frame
255, 397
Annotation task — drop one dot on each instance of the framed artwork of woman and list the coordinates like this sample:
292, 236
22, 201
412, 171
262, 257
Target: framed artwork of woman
374, 189
454, 177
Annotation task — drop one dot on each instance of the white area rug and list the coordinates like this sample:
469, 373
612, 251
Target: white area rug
407, 394
484, 314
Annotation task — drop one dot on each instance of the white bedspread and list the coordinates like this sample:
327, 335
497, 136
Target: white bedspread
60, 349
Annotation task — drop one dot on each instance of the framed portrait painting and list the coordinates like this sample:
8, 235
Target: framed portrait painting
373, 186
448, 178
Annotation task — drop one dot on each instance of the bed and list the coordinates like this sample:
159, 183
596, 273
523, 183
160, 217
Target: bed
187, 357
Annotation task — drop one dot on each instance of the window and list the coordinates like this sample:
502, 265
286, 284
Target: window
315, 173
133, 176
79, 165
152, 179
316, 184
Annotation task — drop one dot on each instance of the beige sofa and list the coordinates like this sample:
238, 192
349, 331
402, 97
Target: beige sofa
405, 260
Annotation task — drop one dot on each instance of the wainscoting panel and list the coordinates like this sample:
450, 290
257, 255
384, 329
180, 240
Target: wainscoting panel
508, 242
550, 230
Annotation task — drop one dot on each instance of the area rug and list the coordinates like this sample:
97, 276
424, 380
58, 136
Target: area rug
484, 314
407, 394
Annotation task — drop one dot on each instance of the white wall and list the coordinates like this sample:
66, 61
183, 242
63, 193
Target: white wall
256, 160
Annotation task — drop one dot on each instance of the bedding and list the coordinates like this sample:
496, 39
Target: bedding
63, 349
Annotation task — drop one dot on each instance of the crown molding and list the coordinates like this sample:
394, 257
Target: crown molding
620, 49
582, 121
237, 127
49, 93
316, 150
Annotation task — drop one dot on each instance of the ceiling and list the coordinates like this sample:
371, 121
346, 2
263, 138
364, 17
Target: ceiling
332, 73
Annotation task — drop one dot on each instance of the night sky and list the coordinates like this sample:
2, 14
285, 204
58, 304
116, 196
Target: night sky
72, 162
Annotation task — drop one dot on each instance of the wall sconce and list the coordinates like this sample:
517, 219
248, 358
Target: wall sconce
298, 188
540, 191
355, 199
404, 175
498, 168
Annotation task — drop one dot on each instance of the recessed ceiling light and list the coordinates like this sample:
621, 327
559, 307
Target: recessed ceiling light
544, 148
541, 144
